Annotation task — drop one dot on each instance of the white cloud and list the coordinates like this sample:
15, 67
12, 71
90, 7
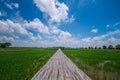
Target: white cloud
107, 25
106, 36
13, 29
37, 25
16, 30
54, 30
71, 19
116, 24
87, 40
5, 28
94, 30
6, 39
65, 39
51, 35
9, 5
105, 39
34, 38
64, 35
16, 5
113, 33
53, 8
16, 27
0, 14
12, 5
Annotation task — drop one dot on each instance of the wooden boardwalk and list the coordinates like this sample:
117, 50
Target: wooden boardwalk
60, 67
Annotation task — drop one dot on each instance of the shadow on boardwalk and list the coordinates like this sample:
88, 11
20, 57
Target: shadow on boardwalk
60, 67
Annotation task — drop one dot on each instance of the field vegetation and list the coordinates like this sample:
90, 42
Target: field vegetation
22, 63
99, 64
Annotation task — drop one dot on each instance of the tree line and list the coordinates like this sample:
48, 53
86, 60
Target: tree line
8, 44
4, 45
106, 47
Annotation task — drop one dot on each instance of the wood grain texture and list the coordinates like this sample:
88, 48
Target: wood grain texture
60, 67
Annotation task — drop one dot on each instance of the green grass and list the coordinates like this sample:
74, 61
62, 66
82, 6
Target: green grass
22, 63
98, 64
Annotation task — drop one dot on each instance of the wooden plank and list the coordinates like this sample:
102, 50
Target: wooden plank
60, 67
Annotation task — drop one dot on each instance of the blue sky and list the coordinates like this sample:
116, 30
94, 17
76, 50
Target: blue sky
69, 23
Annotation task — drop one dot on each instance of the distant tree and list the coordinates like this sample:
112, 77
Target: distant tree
118, 46
89, 47
4, 45
99, 47
62, 48
110, 47
95, 47
104, 47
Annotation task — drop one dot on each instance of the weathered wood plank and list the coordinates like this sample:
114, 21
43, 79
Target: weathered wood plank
60, 67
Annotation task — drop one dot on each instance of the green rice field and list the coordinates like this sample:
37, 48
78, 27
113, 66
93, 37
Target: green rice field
98, 64
22, 63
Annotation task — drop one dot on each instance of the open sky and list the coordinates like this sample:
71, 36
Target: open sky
51, 23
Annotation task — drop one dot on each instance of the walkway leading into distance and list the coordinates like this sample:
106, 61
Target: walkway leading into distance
60, 67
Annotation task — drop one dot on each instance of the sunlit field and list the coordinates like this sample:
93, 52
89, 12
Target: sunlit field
99, 64
22, 63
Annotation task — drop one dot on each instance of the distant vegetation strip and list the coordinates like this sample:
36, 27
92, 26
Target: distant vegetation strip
99, 64
22, 63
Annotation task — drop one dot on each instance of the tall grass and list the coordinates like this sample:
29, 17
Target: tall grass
22, 63
98, 64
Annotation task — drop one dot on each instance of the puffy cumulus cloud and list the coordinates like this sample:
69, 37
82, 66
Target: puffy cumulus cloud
48, 31
64, 35
22, 34
6, 39
94, 30
46, 43
86, 40
37, 25
54, 30
5, 28
116, 32
9, 26
15, 30
70, 41
36, 34
57, 11
34, 38
105, 39
33, 30
12, 5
